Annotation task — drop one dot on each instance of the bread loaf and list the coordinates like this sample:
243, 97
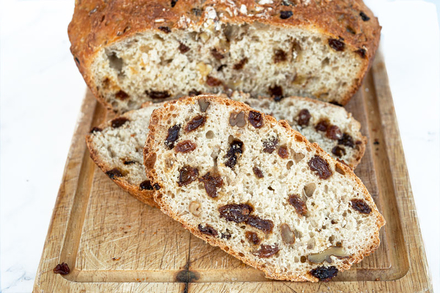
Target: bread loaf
130, 52
258, 189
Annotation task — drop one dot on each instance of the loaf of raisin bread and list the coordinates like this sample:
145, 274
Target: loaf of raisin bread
130, 52
117, 147
331, 127
258, 189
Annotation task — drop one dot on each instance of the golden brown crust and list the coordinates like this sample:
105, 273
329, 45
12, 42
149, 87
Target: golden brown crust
97, 24
150, 157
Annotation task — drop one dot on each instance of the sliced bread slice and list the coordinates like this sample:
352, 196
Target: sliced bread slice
330, 126
258, 189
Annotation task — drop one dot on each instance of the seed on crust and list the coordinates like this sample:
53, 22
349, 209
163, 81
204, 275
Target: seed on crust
208, 230
298, 204
283, 152
114, 173
185, 146
252, 237
258, 172
266, 251
256, 119
361, 206
336, 45
324, 273
320, 167
173, 135
145, 185
195, 123
211, 183
118, 122
304, 117
203, 104
237, 119
287, 234
187, 175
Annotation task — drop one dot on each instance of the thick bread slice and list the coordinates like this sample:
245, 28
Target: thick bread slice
130, 52
330, 126
258, 189
117, 147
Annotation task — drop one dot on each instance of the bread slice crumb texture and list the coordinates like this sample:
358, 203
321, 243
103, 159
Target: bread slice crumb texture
258, 189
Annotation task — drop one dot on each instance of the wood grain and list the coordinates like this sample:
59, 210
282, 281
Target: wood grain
113, 243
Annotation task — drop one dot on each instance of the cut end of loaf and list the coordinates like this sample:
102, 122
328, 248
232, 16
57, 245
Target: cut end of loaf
259, 190
254, 58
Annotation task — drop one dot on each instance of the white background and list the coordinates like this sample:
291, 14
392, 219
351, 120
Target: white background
41, 91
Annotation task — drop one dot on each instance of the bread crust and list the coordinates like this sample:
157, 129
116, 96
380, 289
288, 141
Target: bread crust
97, 24
150, 157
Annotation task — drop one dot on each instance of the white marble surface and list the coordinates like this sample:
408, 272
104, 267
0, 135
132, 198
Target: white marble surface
41, 92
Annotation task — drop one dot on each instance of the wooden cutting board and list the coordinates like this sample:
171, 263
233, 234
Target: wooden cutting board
114, 243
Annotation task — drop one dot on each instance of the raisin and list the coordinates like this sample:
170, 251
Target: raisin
337, 45
304, 117
216, 54
146, 185
187, 175
62, 269
195, 123
338, 151
283, 152
237, 213
129, 162
158, 94
276, 91
298, 204
364, 16
235, 149
266, 251
173, 3
77, 61
256, 119
346, 140
252, 237
211, 183
208, 230
277, 98
333, 132
114, 173
165, 29
350, 30
212, 81
279, 56
322, 125
241, 64
185, 146
121, 95
324, 273
173, 135
270, 144
220, 68
361, 52
264, 225
194, 92
258, 172
285, 14
320, 166
95, 130
156, 186
118, 122
361, 206
226, 235
183, 48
